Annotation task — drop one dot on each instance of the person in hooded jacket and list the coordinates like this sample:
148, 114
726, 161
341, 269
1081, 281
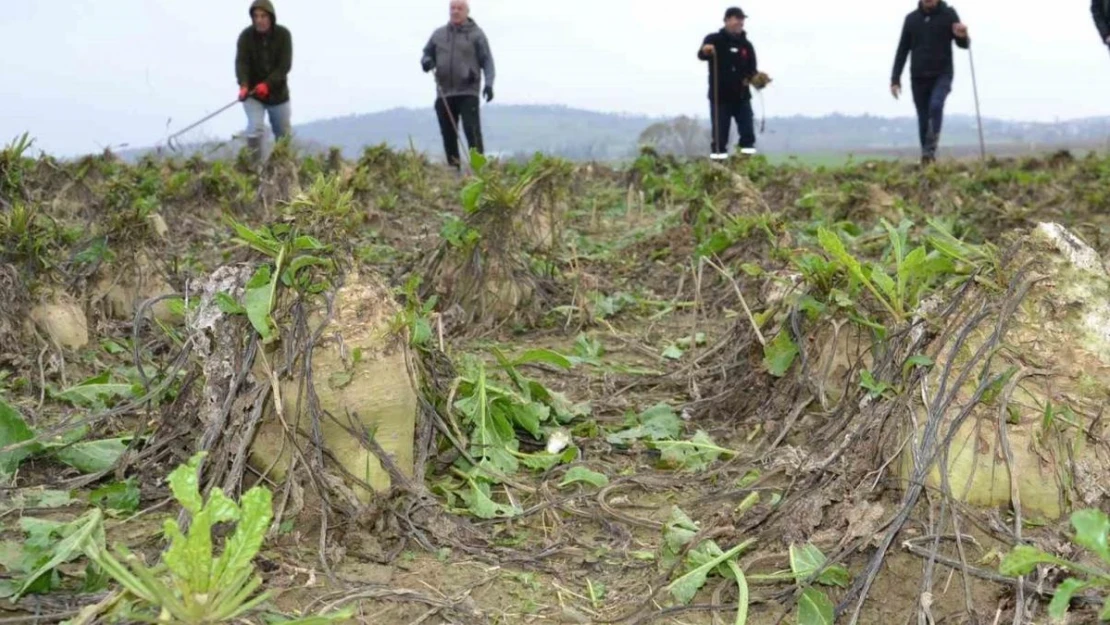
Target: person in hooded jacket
1100, 11
263, 60
927, 35
732, 65
459, 53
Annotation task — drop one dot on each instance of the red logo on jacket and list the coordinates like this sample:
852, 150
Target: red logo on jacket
744, 53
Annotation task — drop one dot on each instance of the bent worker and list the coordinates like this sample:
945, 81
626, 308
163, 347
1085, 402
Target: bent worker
263, 60
459, 53
1100, 10
928, 34
732, 65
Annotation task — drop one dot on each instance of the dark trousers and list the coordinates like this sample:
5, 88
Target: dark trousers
459, 109
741, 111
929, 95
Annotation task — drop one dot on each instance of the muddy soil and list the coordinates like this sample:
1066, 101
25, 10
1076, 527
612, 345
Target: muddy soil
631, 277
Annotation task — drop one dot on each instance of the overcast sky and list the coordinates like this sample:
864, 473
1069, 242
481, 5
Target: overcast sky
80, 75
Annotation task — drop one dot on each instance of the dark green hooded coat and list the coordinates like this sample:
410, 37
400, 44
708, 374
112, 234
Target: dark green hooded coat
265, 57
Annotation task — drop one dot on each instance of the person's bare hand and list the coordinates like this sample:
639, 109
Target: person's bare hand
896, 90
960, 30
708, 49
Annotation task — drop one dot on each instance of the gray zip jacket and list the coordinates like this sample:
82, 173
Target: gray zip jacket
460, 54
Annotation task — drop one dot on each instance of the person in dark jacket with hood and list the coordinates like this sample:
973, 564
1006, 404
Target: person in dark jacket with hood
1100, 10
263, 60
459, 53
928, 34
732, 65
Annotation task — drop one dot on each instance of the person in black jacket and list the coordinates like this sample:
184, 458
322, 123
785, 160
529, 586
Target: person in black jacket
928, 34
732, 64
1100, 10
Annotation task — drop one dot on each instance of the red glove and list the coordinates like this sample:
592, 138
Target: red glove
262, 91
242, 93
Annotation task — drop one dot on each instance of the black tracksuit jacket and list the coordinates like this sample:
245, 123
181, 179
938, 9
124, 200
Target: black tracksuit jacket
1100, 10
735, 61
928, 35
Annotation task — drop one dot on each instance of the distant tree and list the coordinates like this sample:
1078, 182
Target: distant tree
682, 136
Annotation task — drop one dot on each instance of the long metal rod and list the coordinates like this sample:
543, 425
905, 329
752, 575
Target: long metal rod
978, 115
175, 135
716, 113
454, 124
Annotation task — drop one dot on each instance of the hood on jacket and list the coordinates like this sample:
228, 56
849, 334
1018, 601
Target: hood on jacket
266, 6
469, 24
941, 6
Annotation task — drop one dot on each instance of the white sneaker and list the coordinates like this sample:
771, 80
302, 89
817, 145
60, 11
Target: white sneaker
748, 151
718, 156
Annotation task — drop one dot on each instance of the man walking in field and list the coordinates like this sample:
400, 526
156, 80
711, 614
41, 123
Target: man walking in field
928, 34
732, 69
263, 60
459, 53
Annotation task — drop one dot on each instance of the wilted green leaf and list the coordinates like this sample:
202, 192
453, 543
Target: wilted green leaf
93, 456
678, 531
14, 430
779, 354
1024, 559
656, 423
112, 347
673, 352
481, 505
229, 306
807, 559
1092, 528
815, 608
45, 498
543, 355
529, 417
90, 527
121, 496
692, 455
684, 588
306, 243
262, 240
1061, 599
96, 392
299, 263
920, 360
257, 301
583, 474
541, 461
873, 387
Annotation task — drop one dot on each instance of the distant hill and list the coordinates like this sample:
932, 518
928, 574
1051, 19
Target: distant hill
515, 130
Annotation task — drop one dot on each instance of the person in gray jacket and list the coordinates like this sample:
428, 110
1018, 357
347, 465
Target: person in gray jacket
459, 53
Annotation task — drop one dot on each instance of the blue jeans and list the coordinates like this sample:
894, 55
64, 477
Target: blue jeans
280, 116
929, 95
